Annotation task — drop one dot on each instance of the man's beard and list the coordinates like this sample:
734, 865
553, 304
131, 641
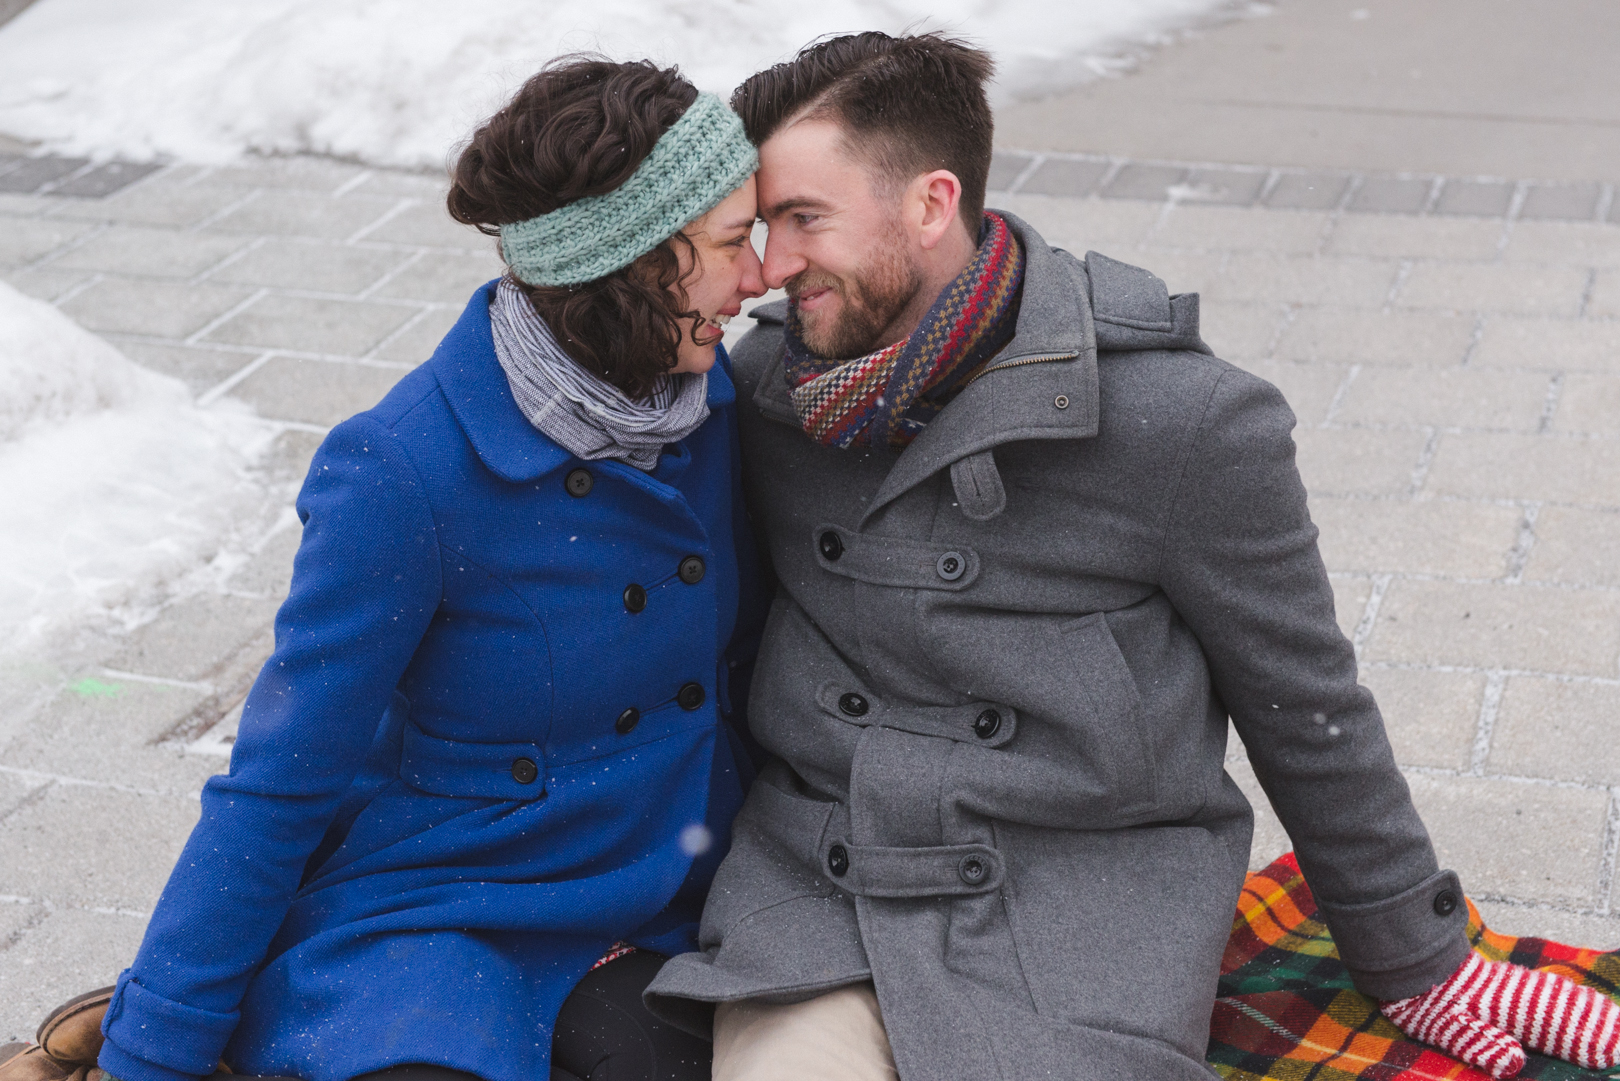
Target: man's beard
872, 299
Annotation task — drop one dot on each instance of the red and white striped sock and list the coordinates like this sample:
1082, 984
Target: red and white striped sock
1483, 1012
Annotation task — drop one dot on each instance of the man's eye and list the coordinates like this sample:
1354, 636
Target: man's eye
804, 219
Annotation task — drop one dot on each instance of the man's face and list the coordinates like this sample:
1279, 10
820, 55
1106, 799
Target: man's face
836, 243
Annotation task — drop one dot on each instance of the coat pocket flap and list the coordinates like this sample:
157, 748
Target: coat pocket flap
445, 767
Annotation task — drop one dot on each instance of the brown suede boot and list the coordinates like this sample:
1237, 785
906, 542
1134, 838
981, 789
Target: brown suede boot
29, 1062
71, 1033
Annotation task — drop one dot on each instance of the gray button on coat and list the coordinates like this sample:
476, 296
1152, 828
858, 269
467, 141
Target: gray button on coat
997, 679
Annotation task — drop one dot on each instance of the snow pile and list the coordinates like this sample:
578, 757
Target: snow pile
115, 485
400, 81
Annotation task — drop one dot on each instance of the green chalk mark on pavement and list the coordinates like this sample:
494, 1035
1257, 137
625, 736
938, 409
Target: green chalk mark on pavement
94, 688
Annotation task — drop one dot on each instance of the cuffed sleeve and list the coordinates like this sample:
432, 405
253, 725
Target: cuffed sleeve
1241, 566
1403, 945
366, 584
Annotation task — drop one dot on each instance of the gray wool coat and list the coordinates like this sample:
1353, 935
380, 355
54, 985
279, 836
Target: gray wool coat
996, 682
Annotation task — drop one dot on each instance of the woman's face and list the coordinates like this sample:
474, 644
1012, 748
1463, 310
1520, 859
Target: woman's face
727, 272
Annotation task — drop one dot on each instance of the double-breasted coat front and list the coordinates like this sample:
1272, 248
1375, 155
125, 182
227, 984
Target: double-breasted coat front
996, 681
492, 740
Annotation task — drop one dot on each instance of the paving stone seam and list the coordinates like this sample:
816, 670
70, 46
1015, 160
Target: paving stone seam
1425, 462
1503, 582
1523, 545
1518, 190
230, 259
1488, 670
1608, 869
86, 782
1600, 911
1485, 724
1523, 780
50, 906
1369, 613
196, 337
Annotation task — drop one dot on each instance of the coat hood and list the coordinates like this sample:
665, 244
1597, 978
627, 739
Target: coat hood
1070, 312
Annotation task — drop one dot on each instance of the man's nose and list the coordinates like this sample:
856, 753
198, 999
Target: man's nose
781, 262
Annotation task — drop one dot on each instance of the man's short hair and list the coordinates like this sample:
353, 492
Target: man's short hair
908, 105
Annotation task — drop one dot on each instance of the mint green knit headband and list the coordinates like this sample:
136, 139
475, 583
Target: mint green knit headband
700, 160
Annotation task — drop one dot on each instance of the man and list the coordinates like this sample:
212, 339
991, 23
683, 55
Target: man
1035, 545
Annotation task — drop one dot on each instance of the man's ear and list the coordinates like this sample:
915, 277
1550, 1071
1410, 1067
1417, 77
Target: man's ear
936, 195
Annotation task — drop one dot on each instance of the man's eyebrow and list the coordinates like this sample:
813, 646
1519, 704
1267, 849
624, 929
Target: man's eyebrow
800, 203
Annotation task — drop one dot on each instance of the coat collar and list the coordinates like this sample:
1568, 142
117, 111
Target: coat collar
1052, 357
475, 385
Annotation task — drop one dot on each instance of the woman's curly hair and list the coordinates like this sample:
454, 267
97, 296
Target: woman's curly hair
578, 128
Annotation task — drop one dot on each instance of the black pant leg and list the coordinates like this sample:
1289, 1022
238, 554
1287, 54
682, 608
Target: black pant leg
604, 1033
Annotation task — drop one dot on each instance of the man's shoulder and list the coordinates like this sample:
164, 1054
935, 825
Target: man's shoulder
759, 348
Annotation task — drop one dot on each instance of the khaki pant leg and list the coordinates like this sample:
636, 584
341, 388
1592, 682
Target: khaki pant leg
837, 1036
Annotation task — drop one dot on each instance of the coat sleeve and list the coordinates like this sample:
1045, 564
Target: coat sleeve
366, 583
1241, 567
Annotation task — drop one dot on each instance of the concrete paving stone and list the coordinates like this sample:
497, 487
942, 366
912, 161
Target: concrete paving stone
16, 205
301, 213
429, 225
1414, 238
14, 789
1308, 387
1558, 729
417, 341
1605, 298
287, 461
312, 265
1443, 537
1505, 466
301, 172
105, 179
1512, 839
1349, 601
1232, 228
199, 367
1374, 337
1308, 191
430, 186
1142, 181
1339, 281
145, 252
1431, 716
95, 847
1391, 195
1239, 330
1083, 225
157, 309
1183, 271
1466, 397
34, 173
193, 636
115, 740
1489, 625
1561, 202
46, 282
269, 572
22, 240
1270, 839
443, 277
1231, 187
161, 201
1524, 289
1576, 546
337, 327
1574, 243
1358, 461
67, 952
1475, 198
1005, 165
320, 392
1570, 345
1586, 930
1589, 402
1059, 176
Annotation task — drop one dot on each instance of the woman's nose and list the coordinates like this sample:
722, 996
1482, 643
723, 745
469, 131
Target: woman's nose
753, 281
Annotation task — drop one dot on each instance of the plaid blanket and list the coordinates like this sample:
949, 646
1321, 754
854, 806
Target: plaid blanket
1286, 1010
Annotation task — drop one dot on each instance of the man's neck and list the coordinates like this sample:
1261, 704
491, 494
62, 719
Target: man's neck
937, 269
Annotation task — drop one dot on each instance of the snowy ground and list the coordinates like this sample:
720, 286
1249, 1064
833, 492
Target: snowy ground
400, 81
118, 488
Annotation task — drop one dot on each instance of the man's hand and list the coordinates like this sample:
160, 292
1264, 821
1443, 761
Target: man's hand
1484, 1012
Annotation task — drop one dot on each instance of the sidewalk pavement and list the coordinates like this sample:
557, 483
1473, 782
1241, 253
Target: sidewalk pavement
1454, 361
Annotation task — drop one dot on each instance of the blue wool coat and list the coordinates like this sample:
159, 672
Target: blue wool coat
380, 878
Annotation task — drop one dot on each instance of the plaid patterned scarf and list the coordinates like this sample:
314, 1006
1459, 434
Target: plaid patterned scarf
1287, 1010
887, 397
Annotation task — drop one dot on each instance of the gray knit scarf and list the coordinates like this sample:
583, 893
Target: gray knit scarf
577, 410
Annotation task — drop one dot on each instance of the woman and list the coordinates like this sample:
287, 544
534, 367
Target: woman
492, 741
